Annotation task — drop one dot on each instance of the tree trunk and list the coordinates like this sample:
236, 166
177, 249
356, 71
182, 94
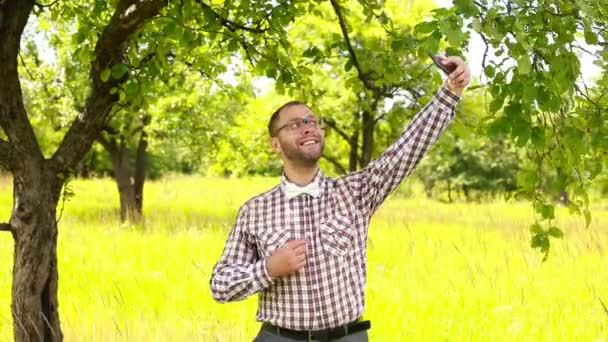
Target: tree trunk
130, 188
368, 138
140, 172
354, 152
449, 191
35, 277
126, 190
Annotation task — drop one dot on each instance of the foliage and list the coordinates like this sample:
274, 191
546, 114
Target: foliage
535, 95
466, 161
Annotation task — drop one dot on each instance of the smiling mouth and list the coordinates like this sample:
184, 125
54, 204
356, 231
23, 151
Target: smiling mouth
309, 142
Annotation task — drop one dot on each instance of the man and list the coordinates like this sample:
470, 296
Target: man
302, 244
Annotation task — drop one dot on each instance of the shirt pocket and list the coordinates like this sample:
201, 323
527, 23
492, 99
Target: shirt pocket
336, 235
272, 240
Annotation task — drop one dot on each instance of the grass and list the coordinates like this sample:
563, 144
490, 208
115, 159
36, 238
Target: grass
437, 272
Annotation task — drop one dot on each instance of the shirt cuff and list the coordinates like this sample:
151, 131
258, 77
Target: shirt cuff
260, 274
447, 98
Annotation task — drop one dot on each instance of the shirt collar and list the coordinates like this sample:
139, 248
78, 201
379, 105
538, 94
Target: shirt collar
314, 188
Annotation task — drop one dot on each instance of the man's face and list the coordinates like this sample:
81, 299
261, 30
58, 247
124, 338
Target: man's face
298, 137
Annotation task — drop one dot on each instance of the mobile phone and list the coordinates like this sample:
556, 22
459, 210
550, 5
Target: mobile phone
447, 69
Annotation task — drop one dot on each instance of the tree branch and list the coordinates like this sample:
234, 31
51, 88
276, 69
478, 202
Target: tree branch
39, 5
109, 144
229, 24
364, 77
332, 124
129, 16
5, 227
335, 163
13, 117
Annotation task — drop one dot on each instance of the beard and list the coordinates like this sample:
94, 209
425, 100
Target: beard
301, 156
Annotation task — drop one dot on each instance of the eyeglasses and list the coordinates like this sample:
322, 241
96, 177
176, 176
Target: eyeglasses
295, 124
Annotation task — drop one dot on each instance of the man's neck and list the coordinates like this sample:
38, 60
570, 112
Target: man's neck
300, 175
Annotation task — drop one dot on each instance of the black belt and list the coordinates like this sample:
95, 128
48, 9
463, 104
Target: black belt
319, 335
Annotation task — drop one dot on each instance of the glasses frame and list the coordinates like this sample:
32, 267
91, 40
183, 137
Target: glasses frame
319, 123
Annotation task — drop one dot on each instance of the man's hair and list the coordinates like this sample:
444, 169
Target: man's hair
275, 116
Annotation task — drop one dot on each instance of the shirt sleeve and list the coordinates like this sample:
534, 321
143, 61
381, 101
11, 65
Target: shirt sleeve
381, 176
240, 272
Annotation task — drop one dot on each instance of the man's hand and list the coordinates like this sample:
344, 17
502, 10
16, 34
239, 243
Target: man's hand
288, 259
460, 77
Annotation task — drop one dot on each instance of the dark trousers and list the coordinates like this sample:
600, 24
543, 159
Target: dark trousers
266, 336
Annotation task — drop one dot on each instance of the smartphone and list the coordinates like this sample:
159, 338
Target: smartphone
447, 69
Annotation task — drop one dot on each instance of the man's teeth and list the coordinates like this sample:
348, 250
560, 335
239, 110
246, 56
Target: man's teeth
309, 142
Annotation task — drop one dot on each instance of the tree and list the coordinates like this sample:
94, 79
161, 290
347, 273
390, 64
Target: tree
110, 38
37, 180
465, 160
364, 74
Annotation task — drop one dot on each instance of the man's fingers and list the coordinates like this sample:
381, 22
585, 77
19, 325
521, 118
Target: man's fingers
300, 264
295, 243
299, 250
452, 60
463, 80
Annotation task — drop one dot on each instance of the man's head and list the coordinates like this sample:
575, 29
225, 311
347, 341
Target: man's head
296, 134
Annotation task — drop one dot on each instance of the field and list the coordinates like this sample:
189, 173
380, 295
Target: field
437, 272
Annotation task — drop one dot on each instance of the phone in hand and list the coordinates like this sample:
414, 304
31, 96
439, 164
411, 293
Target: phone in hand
447, 69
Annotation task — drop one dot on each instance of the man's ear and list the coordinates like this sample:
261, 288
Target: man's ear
276, 146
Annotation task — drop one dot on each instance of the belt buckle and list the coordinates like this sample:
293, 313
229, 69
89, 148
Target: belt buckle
321, 335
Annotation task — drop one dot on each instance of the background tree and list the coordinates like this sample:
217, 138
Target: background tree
466, 162
357, 67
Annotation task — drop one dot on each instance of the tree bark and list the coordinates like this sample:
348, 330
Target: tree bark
130, 184
121, 169
367, 148
35, 277
140, 172
353, 157
126, 191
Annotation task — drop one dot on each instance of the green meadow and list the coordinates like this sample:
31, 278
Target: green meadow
437, 272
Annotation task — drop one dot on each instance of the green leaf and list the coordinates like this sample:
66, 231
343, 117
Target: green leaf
348, 65
496, 104
467, 7
430, 43
538, 137
105, 75
119, 70
426, 27
547, 211
498, 127
555, 232
311, 52
536, 229
131, 90
527, 179
590, 37
523, 65
451, 27
489, 71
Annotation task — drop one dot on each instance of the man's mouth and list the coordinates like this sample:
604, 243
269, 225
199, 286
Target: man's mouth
308, 142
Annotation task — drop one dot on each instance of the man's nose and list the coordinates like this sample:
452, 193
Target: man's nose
307, 129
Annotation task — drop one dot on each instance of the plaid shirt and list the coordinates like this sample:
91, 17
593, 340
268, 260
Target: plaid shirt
329, 290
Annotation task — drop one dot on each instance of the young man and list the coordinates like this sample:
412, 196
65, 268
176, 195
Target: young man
302, 244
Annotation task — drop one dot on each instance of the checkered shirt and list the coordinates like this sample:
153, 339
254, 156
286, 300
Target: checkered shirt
329, 290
